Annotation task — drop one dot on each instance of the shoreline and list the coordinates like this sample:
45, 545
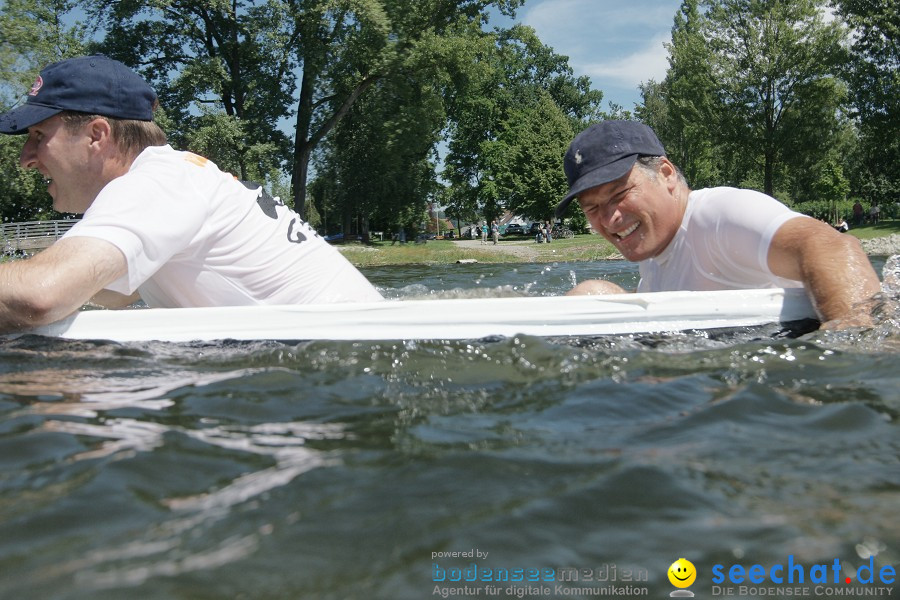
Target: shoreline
882, 246
523, 251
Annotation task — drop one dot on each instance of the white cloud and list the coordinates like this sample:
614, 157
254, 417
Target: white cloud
649, 62
617, 44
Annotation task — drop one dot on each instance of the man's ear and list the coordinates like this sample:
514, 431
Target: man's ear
99, 130
668, 172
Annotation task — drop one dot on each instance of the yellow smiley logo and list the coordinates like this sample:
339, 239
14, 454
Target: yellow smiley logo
682, 573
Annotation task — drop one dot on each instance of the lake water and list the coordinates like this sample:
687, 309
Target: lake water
398, 470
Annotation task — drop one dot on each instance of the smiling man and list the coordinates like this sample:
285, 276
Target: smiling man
709, 239
162, 225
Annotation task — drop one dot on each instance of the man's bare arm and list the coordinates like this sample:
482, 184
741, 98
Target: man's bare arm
833, 267
56, 282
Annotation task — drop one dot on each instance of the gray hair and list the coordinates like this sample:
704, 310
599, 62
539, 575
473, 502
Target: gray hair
651, 164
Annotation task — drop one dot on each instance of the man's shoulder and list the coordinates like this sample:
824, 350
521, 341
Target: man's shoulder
724, 193
730, 198
720, 208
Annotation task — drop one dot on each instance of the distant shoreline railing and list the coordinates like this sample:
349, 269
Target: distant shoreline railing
32, 235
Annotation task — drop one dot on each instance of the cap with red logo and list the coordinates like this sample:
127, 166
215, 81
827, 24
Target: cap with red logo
95, 85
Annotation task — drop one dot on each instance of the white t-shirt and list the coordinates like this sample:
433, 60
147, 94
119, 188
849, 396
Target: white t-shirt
723, 243
193, 235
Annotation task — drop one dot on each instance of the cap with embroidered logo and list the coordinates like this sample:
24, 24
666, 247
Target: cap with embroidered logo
95, 85
604, 152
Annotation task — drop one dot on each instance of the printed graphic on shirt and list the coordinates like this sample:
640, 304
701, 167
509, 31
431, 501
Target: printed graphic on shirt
265, 200
269, 204
295, 237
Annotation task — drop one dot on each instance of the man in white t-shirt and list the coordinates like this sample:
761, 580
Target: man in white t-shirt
710, 239
160, 225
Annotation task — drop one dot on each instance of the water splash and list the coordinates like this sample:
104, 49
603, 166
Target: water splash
887, 305
891, 277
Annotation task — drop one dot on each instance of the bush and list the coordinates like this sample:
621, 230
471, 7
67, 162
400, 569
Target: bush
824, 210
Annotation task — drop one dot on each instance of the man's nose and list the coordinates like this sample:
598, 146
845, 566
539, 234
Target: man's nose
28, 159
610, 216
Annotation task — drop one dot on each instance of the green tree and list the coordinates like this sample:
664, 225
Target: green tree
23, 195
382, 155
775, 62
510, 86
346, 46
527, 156
218, 69
33, 34
874, 79
254, 59
830, 189
384, 151
874, 72
688, 120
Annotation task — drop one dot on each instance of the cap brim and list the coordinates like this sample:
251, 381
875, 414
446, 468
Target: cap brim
599, 176
18, 120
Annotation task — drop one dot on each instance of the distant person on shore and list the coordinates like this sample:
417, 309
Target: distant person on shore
160, 225
495, 232
874, 213
709, 239
484, 232
842, 226
858, 214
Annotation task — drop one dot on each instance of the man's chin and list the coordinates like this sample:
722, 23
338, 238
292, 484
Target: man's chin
633, 254
625, 248
62, 207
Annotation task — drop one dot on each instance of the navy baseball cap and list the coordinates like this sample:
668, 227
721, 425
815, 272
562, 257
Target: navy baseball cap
604, 152
95, 85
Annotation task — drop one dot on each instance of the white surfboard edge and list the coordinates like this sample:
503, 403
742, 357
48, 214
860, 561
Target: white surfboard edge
444, 318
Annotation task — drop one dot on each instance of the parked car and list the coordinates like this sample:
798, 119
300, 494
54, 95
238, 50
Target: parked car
514, 229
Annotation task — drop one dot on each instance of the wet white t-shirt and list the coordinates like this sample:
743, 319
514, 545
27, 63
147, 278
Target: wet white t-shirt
723, 243
193, 235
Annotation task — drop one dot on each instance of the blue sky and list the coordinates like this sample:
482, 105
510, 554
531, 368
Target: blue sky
617, 43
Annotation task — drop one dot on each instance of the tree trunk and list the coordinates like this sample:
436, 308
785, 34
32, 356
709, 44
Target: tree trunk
347, 222
305, 140
364, 229
769, 176
302, 145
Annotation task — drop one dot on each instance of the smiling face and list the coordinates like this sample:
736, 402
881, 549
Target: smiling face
682, 573
66, 160
640, 212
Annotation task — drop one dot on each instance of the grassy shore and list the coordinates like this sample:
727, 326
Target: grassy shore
884, 228
581, 247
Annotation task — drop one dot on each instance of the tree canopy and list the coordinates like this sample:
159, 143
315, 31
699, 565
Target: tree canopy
779, 95
362, 113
